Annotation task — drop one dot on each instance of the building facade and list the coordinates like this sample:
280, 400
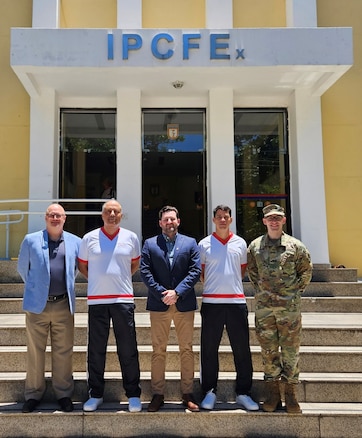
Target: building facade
187, 102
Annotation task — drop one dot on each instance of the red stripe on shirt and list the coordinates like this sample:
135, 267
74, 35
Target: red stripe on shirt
223, 295
106, 297
110, 236
223, 241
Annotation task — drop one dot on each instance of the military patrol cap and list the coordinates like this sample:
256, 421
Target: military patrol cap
273, 209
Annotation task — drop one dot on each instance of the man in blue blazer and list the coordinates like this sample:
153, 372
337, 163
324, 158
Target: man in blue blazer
170, 267
48, 265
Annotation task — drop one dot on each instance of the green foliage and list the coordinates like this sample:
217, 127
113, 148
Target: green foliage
90, 144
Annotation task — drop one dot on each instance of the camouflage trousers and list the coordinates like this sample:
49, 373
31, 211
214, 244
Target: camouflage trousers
278, 330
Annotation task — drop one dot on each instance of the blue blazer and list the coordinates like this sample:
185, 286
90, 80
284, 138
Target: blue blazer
34, 269
158, 275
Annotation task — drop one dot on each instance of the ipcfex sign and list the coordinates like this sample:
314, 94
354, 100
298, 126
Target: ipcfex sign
164, 45
196, 48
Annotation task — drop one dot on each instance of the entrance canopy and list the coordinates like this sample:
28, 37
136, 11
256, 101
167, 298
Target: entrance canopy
253, 62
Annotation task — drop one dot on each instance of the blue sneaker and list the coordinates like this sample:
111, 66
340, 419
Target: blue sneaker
247, 402
92, 404
209, 401
134, 404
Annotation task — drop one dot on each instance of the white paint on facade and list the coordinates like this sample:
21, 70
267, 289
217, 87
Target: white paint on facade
129, 14
46, 14
301, 13
219, 14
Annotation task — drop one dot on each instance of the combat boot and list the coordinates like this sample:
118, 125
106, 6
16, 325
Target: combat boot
273, 400
291, 404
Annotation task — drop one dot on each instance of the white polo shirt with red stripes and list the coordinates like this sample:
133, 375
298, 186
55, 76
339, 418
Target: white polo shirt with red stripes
109, 265
222, 261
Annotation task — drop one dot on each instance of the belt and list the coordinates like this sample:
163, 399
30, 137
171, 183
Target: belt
54, 298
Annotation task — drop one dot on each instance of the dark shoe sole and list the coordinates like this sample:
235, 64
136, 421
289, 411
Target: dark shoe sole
30, 405
66, 404
154, 406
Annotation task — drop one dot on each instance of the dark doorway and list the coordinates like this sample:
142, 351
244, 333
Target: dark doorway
173, 169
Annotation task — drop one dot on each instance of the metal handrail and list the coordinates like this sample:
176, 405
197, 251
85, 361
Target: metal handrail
7, 223
9, 213
59, 200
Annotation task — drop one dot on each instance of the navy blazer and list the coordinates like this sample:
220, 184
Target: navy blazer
158, 275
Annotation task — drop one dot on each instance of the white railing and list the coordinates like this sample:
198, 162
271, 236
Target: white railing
8, 220
12, 216
60, 201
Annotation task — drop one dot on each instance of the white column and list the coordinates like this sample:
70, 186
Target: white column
301, 13
219, 14
46, 13
221, 177
129, 158
129, 14
43, 158
309, 218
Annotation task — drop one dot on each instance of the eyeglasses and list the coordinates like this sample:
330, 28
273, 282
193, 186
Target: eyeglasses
55, 215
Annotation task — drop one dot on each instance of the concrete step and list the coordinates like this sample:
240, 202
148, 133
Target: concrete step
313, 387
342, 304
318, 420
344, 329
330, 397
312, 359
323, 273
314, 289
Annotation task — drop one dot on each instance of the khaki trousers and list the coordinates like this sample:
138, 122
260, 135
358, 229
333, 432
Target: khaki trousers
57, 320
160, 329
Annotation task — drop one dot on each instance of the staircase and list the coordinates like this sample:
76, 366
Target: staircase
330, 392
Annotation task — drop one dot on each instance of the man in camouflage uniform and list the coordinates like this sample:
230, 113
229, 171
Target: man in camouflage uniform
280, 268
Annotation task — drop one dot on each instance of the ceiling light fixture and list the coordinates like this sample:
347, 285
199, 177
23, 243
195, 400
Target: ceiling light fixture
177, 84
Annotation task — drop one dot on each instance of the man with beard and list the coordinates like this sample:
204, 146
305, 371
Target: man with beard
170, 268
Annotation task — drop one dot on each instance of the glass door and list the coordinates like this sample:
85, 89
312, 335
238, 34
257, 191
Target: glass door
87, 160
173, 169
261, 167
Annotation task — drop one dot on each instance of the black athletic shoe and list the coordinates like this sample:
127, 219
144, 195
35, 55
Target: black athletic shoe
30, 405
66, 404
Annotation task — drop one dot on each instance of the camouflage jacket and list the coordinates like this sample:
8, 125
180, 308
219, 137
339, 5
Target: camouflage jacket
282, 268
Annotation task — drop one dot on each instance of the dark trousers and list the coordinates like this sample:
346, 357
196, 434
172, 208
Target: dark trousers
99, 318
214, 318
